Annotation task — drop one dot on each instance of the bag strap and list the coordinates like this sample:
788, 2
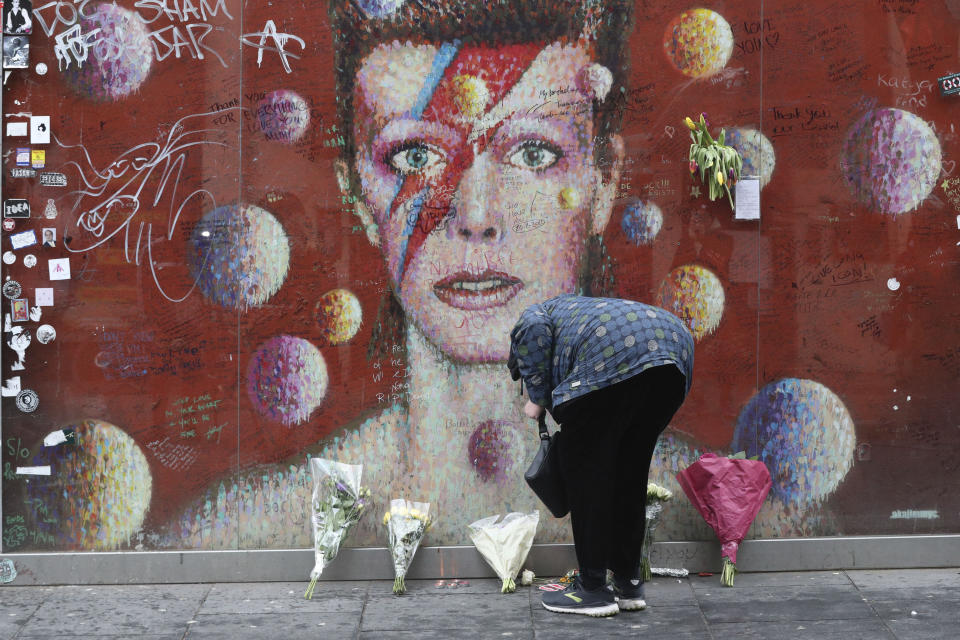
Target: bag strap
542, 426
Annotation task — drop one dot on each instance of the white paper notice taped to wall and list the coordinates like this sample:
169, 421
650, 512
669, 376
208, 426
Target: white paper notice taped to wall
17, 129
33, 471
747, 198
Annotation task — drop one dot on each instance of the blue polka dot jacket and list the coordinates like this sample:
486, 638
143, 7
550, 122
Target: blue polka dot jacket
570, 345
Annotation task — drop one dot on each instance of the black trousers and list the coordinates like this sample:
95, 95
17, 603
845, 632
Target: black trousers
608, 440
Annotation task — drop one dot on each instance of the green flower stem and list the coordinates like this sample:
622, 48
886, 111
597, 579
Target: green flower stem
509, 586
729, 571
399, 587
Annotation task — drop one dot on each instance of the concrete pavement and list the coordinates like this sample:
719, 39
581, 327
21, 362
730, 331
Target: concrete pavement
915, 604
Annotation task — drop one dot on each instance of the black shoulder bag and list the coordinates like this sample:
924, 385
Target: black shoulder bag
544, 476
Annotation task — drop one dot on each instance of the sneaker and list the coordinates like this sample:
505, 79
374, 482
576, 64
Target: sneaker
575, 599
628, 594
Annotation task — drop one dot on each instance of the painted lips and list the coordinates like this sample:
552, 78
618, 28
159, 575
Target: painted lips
477, 291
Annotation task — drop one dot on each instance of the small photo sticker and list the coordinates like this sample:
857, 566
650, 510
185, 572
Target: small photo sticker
49, 237
16, 52
19, 310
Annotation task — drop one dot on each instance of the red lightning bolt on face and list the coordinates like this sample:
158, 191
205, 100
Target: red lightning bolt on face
499, 69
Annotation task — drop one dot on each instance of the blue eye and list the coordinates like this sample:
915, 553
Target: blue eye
536, 155
415, 158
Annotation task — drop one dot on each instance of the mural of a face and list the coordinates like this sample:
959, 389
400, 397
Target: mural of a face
493, 158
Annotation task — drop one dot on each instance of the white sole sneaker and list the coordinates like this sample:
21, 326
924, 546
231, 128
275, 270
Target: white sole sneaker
631, 604
595, 612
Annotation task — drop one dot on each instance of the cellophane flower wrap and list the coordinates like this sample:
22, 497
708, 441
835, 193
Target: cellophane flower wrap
505, 544
406, 523
338, 503
728, 493
656, 496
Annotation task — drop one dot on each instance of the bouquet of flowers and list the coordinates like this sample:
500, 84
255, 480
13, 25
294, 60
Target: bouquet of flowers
728, 493
718, 163
406, 522
505, 544
338, 502
656, 496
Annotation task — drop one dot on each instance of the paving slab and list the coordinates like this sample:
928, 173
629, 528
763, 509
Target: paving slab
288, 626
768, 604
412, 612
669, 592
116, 610
780, 579
17, 604
905, 578
804, 630
447, 634
284, 597
665, 622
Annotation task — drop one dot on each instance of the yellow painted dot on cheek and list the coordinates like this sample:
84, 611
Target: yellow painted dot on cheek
470, 95
569, 198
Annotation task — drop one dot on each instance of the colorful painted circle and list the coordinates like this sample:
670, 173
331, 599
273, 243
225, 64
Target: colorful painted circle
891, 160
491, 450
339, 316
642, 222
120, 59
804, 434
284, 116
757, 153
287, 379
240, 256
698, 42
99, 487
695, 295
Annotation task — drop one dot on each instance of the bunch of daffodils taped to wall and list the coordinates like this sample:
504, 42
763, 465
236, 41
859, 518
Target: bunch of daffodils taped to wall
718, 163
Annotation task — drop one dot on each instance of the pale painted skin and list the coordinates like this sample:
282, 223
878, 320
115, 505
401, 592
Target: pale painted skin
457, 379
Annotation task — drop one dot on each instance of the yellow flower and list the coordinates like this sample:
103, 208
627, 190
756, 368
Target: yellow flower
719, 177
690, 124
386, 517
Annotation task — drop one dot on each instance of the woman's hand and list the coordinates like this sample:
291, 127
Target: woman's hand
532, 410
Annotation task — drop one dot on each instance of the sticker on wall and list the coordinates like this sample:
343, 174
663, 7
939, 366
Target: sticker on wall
16, 17
27, 400
35, 314
23, 239
9, 224
19, 340
41, 68
19, 310
12, 289
29, 261
34, 471
11, 387
60, 436
38, 158
50, 211
23, 156
52, 179
39, 129
9, 257
43, 296
22, 172
49, 237
59, 268
46, 334
8, 571
17, 129
16, 52
16, 208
